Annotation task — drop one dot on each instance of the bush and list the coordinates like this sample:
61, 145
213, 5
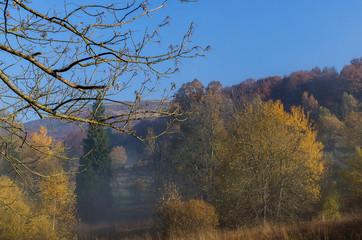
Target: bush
331, 206
177, 218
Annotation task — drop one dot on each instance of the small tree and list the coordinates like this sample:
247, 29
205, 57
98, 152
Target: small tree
12, 206
349, 104
118, 157
58, 203
351, 177
331, 205
44, 156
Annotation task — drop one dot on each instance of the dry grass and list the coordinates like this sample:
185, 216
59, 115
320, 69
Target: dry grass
348, 227
119, 230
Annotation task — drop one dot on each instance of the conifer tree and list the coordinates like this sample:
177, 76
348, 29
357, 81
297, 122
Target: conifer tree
93, 179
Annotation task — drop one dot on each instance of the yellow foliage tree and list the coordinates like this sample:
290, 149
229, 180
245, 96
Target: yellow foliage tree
58, 202
16, 215
43, 154
54, 204
269, 166
12, 210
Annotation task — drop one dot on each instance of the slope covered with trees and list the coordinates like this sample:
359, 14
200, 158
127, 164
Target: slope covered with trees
271, 150
245, 142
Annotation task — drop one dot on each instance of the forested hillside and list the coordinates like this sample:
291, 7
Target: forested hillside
268, 150
332, 101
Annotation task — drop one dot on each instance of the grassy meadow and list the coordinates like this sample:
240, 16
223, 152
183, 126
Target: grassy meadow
346, 227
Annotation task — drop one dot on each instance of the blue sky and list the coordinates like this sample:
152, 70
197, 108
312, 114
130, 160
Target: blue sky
255, 39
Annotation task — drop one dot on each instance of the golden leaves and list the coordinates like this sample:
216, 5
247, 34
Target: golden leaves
43, 153
273, 163
58, 202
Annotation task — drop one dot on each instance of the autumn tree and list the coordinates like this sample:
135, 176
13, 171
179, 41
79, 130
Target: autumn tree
269, 165
44, 155
182, 219
329, 130
190, 95
348, 104
12, 206
58, 202
53, 193
351, 176
28, 163
118, 157
191, 160
310, 105
352, 132
156, 152
48, 210
18, 218
93, 177
351, 76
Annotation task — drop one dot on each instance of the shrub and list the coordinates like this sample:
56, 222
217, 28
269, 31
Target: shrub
177, 218
331, 206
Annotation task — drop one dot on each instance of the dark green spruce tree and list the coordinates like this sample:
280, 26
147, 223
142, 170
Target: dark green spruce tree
93, 178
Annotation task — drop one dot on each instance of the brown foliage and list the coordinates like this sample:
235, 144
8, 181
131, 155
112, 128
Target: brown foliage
190, 95
73, 143
352, 75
